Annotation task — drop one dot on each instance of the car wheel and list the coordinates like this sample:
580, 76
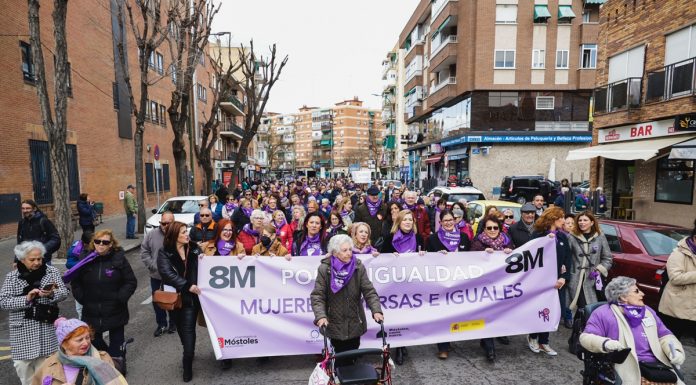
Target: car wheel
521, 200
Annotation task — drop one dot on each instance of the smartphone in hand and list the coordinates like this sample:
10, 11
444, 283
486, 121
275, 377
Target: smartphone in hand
49, 287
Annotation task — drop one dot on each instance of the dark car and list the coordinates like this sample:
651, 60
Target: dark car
640, 251
522, 189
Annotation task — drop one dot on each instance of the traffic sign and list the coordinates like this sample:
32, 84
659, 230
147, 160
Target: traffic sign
156, 152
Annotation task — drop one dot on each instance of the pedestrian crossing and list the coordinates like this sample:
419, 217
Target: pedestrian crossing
4, 350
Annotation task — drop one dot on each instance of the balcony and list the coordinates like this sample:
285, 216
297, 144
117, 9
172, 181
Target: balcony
439, 6
231, 155
233, 106
617, 96
443, 92
233, 130
326, 125
449, 42
328, 143
415, 50
413, 111
672, 81
288, 138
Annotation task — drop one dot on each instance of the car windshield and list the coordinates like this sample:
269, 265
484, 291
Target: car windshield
660, 242
180, 207
469, 197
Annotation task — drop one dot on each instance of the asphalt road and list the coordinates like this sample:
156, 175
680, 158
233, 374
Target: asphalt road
158, 360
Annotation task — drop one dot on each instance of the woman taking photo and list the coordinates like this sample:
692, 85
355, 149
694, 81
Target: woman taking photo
360, 234
447, 239
250, 233
678, 301
345, 209
77, 361
492, 239
177, 263
31, 293
224, 242
626, 322
340, 286
550, 224
591, 260
103, 285
403, 237
269, 244
311, 240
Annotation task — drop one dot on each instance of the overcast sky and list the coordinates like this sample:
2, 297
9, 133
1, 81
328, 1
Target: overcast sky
335, 47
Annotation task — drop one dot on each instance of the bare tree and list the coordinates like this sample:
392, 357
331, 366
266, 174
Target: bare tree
260, 74
222, 90
274, 146
54, 126
355, 156
149, 33
193, 20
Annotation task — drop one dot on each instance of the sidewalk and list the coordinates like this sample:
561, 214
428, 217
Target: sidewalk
116, 223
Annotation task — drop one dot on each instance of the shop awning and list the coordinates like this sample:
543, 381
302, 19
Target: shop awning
632, 150
459, 153
684, 150
433, 158
442, 26
541, 12
565, 12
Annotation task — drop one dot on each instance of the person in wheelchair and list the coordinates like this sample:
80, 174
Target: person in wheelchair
626, 322
341, 282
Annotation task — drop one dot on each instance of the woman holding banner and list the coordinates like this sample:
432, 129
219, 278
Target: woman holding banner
447, 239
492, 239
311, 240
341, 284
360, 233
269, 245
549, 224
225, 241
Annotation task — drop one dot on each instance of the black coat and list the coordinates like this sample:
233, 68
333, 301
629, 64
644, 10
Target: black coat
434, 243
299, 236
39, 228
239, 218
362, 214
103, 287
563, 252
172, 269
387, 246
518, 233
86, 212
200, 234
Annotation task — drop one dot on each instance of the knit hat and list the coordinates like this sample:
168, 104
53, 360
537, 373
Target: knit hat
66, 326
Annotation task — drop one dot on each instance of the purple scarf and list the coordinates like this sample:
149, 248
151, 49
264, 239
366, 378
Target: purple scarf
269, 210
412, 208
345, 214
450, 240
691, 244
341, 272
224, 247
279, 226
247, 211
70, 274
365, 250
311, 245
249, 230
405, 243
498, 243
78, 248
633, 314
230, 207
373, 208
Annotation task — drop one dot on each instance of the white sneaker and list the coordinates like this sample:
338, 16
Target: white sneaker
533, 344
547, 349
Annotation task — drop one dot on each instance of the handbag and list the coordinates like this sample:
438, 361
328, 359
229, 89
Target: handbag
657, 372
42, 313
167, 300
319, 376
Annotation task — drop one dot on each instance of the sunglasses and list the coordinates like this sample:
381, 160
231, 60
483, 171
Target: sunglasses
102, 242
205, 215
509, 217
200, 205
165, 223
492, 228
231, 200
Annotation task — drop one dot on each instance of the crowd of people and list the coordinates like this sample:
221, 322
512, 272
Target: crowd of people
336, 219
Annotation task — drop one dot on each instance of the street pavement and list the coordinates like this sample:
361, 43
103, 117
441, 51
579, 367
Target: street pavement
158, 360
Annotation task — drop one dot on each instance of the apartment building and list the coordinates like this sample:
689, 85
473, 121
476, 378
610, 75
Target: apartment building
497, 88
645, 110
338, 138
276, 144
100, 125
394, 163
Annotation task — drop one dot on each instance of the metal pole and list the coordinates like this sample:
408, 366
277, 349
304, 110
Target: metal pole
157, 188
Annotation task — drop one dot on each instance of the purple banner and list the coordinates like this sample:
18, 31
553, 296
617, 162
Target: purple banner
260, 306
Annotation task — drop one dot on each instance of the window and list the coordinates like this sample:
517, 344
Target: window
28, 71
586, 16
544, 102
538, 58
160, 63
504, 58
502, 99
612, 237
172, 71
680, 45
202, 93
562, 59
674, 182
114, 92
148, 110
151, 61
69, 80
162, 178
628, 64
589, 56
154, 110
41, 172
163, 115
506, 14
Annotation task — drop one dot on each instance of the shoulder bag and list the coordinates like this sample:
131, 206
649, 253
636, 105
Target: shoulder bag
168, 300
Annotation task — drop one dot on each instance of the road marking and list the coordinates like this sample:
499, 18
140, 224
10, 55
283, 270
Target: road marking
3, 358
147, 301
5, 348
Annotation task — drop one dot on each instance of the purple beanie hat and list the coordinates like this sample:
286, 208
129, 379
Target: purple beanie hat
66, 326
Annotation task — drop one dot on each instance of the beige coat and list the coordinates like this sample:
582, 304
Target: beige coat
679, 297
53, 368
276, 249
209, 248
629, 371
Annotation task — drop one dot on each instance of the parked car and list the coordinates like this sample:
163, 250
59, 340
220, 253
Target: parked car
455, 194
476, 210
581, 187
640, 251
184, 209
523, 188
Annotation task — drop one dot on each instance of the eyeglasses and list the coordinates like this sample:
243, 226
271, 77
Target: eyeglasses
528, 212
509, 217
205, 215
104, 242
201, 205
492, 228
227, 230
447, 220
231, 200
165, 223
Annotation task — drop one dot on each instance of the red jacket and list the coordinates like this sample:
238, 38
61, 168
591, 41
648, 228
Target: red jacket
285, 236
248, 240
422, 221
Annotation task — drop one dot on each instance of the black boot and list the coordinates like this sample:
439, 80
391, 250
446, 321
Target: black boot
188, 369
399, 356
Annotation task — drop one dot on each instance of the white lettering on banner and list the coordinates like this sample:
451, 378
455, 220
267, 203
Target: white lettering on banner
477, 295
643, 130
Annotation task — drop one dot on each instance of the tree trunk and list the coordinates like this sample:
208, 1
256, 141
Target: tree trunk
139, 178
179, 149
56, 133
207, 166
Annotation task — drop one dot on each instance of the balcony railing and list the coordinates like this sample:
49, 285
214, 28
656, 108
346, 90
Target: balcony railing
672, 81
447, 40
233, 129
437, 8
449, 80
621, 95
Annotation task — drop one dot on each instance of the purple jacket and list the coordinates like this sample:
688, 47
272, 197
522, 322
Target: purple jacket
602, 322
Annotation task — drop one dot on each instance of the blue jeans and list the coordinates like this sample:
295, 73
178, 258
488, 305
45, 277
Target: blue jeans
130, 226
160, 315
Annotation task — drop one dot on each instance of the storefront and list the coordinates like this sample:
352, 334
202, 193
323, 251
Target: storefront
647, 170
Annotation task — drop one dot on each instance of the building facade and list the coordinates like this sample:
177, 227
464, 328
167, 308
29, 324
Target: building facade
496, 88
394, 164
645, 110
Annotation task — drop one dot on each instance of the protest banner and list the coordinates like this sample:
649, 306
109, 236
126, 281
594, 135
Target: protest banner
261, 306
